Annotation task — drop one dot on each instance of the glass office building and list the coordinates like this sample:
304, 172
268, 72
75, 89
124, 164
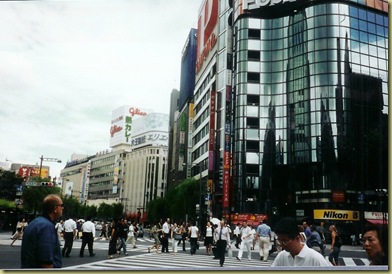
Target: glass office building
310, 107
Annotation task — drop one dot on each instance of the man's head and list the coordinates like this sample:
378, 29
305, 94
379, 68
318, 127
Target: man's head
288, 235
222, 223
53, 206
244, 224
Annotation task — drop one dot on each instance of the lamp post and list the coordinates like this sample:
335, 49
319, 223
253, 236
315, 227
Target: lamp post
46, 159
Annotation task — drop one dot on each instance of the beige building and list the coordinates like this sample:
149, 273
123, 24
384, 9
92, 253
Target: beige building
145, 177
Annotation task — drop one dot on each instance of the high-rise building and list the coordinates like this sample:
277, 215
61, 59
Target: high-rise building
291, 108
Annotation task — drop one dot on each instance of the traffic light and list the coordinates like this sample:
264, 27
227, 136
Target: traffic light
45, 184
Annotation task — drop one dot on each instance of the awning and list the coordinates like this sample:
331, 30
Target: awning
377, 221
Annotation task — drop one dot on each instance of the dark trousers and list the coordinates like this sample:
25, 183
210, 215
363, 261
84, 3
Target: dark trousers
237, 240
193, 242
221, 250
68, 243
165, 242
88, 240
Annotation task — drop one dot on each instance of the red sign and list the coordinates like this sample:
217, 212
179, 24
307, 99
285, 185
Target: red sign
338, 196
206, 38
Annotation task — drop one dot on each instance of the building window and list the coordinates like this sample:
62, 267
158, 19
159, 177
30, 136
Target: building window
252, 122
253, 77
253, 55
253, 100
254, 33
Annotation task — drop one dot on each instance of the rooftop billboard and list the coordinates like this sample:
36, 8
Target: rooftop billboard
135, 127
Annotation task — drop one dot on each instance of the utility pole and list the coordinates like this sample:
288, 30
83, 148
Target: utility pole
46, 159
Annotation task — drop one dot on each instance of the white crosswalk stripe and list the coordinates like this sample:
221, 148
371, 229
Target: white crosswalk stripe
169, 260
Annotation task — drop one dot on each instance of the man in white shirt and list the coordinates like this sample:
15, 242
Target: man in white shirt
294, 253
88, 229
222, 239
69, 236
165, 236
246, 241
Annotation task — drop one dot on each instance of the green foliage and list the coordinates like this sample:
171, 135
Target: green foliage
117, 211
7, 204
34, 195
178, 202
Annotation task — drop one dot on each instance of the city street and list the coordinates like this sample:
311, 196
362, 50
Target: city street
139, 258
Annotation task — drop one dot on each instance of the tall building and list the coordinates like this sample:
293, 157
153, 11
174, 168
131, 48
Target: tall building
291, 108
181, 127
310, 107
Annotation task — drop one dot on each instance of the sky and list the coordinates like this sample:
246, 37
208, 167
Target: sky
66, 65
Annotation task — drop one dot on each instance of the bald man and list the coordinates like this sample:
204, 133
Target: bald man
40, 243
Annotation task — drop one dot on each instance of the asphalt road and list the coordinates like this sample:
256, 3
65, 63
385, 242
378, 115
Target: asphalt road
10, 256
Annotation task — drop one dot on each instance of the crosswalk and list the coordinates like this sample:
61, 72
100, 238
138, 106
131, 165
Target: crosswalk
169, 261
140, 259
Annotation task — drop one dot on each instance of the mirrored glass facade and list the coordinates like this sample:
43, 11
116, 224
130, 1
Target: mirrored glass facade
310, 107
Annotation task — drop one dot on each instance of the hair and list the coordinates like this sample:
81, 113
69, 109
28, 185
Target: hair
334, 229
287, 226
383, 238
49, 203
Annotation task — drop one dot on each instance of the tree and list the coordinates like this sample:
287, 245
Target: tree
9, 181
34, 195
178, 202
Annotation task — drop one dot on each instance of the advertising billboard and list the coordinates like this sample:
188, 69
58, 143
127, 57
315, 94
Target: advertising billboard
122, 123
188, 63
151, 129
206, 33
27, 172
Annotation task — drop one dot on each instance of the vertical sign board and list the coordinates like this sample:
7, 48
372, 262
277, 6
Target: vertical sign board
212, 132
190, 133
226, 153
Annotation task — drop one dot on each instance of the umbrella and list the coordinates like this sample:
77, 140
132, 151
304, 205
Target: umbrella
215, 221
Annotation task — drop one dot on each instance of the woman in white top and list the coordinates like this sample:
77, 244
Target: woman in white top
175, 235
208, 239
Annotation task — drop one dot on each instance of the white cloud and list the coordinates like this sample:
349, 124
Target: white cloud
65, 65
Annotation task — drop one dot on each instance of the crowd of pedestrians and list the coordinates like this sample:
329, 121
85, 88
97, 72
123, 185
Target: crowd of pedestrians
296, 245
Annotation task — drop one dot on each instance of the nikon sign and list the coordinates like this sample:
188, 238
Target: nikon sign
339, 215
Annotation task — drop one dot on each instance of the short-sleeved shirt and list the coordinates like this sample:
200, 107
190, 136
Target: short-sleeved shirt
264, 230
69, 225
40, 244
307, 257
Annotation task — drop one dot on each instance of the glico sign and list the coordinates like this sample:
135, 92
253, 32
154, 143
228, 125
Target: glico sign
255, 4
206, 38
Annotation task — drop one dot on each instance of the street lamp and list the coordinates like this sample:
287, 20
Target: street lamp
46, 159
